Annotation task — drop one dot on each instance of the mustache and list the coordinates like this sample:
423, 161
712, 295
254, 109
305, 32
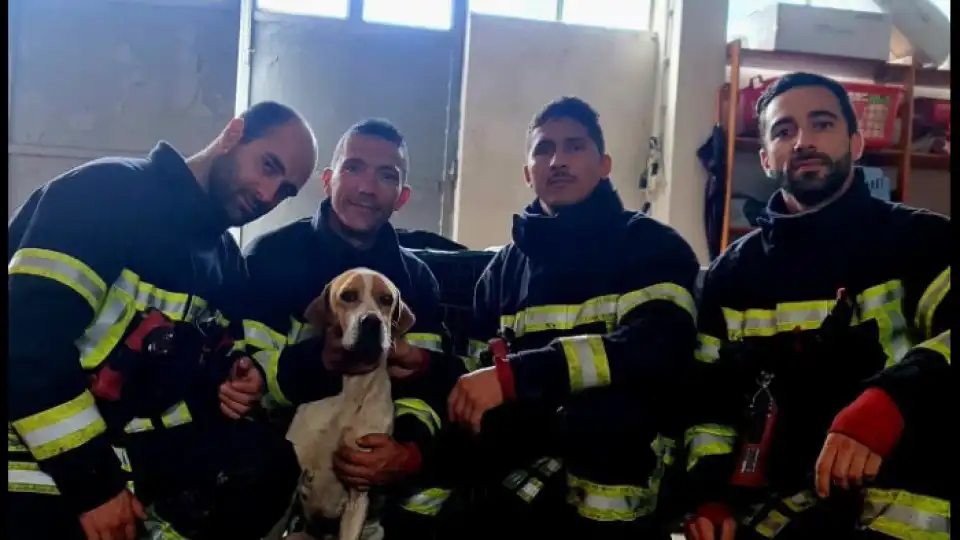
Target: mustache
561, 176
800, 157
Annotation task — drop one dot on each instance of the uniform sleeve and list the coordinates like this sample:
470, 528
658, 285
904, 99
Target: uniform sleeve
67, 253
651, 343
485, 318
912, 382
711, 415
286, 351
420, 401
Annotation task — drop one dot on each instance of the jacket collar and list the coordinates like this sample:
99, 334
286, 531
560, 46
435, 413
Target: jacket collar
833, 222
385, 244
193, 210
535, 232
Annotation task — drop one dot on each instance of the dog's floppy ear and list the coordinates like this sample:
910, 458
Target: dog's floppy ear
318, 312
403, 318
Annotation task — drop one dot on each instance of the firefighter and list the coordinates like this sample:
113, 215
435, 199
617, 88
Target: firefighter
100, 260
365, 184
595, 303
831, 319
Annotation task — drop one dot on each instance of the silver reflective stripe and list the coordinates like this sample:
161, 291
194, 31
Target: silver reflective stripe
258, 335
669, 292
587, 362
24, 476
530, 490
562, 317
772, 525
881, 304
428, 502
708, 348
63, 428
475, 348
55, 265
929, 302
609, 503
138, 425
116, 310
430, 342
905, 515
176, 415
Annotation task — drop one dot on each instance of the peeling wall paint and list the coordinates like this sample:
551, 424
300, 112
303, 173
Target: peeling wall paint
113, 77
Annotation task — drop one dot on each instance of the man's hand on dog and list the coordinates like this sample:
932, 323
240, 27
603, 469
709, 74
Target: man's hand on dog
242, 390
115, 519
405, 359
382, 461
474, 394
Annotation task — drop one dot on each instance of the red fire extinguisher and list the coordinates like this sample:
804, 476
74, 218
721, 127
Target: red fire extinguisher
757, 436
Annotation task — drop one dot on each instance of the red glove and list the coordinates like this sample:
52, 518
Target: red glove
712, 521
873, 420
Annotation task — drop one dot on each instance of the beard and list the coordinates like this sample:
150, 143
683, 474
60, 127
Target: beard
221, 179
811, 188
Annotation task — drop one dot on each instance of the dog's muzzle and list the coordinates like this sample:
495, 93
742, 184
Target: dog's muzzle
369, 345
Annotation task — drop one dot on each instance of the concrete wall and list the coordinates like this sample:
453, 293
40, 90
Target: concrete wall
103, 77
513, 68
337, 72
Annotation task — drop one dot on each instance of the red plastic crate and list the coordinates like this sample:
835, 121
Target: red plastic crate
876, 108
875, 105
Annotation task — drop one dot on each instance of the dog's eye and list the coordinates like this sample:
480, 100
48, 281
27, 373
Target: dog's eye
349, 296
385, 300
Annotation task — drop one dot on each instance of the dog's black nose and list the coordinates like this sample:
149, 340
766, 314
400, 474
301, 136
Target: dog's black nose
370, 324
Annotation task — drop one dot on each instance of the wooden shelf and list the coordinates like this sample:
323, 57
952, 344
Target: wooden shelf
878, 157
909, 76
879, 72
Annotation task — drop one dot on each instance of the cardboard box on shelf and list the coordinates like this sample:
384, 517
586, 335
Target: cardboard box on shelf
820, 30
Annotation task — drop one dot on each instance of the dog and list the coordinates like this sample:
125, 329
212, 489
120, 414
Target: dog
366, 307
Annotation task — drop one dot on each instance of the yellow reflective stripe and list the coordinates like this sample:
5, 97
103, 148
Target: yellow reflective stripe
261, 336
138, 425
930, 301
529, 490
177, 415
708, 348
587, 362
123, 458
940, 344
270, 362
124, 299
609, 503
708, 440
158, 529
61, 268
906, 516
427, 502
62, 428
424, 340
475, 348
26, 477
300, 331
420, 410
800, 501
14, 444
882, 304
470, 363
669, 292
772, 524
239, 345
562, 317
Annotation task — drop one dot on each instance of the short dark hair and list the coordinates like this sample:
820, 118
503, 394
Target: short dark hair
800, 79
571, 108
263, 117
374, 127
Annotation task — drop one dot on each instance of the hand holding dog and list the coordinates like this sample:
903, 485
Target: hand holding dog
474, 394
381, 460
406, 360
242, 390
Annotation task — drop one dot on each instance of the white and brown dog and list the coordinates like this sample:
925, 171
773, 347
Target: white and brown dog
367, 308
